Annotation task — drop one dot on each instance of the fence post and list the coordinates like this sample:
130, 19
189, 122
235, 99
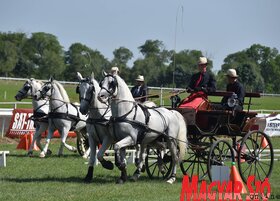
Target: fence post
161, 95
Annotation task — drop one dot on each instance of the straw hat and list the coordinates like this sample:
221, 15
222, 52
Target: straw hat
202, 60
231, 73
114, 69
140, 78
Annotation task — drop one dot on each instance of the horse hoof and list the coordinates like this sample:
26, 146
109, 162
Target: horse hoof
171, 180
42, 155
107, 164
135, 178
49, 152
87, 180
120, 181
30, 154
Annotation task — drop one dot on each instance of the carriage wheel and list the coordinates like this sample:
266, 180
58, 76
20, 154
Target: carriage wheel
158, 163
82, 143
255, 156
221, 154
196, 163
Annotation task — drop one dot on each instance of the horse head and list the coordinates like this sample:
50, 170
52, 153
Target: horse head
45, 91
86, 91
29, 88
109, 86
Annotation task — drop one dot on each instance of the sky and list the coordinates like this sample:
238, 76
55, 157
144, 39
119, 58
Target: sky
216, 27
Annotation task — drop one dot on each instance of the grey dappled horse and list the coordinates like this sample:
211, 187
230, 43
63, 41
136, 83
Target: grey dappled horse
40, 110
97, 123
132, 126
62, 116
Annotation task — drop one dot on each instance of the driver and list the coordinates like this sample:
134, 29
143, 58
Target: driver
202, 81
234, 86
200, 84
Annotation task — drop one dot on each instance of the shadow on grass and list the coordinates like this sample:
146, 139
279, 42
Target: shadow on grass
98, 180
50, 156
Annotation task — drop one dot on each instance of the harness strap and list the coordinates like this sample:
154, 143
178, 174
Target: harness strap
103, 122
39, 116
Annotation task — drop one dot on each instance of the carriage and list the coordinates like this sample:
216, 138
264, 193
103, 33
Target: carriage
217, 138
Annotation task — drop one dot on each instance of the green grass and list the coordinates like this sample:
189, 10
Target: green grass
54, 178
59, 179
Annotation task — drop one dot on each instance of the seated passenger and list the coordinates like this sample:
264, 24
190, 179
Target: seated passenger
236, 101
139, 91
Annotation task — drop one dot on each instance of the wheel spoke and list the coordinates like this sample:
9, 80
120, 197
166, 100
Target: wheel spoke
262, 169
154, 163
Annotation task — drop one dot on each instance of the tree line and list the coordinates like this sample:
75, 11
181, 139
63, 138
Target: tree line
40, 56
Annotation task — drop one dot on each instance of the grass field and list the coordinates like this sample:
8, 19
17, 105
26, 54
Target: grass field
54, 178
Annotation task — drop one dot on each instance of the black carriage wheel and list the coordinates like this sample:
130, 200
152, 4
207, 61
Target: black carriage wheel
82, 143
158, 165
221, 154
196, 162
255, 156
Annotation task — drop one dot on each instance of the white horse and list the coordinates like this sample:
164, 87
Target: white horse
97, 122
63, 115
132, 126
40, 110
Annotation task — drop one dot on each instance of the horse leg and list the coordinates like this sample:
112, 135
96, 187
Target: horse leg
64, 134
42, 128
92, 159
140, 165
105, 145
118, 158
173, 149
36, 135
123, 176
49, 136
86, 154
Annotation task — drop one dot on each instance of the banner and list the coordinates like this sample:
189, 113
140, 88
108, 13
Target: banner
272, 127
21, 124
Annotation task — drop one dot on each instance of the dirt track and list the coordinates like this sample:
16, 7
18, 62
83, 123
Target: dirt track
6, 140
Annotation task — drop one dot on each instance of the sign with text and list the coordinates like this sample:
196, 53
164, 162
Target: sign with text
21, 124
272, 127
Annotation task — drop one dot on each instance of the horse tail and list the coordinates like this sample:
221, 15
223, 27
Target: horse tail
182, 136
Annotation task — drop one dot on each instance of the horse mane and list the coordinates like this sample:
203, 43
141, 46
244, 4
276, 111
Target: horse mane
125, 87
62, 91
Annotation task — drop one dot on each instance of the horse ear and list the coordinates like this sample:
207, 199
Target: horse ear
104, 73
79, 76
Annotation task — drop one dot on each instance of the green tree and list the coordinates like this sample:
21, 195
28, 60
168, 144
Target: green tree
45, 55
10, 51
80, 58
183, 65
121, 57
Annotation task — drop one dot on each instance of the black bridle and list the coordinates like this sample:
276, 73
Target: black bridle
88, 92
26, 87
112, 85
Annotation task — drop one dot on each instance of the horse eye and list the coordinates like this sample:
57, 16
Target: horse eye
47, 88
